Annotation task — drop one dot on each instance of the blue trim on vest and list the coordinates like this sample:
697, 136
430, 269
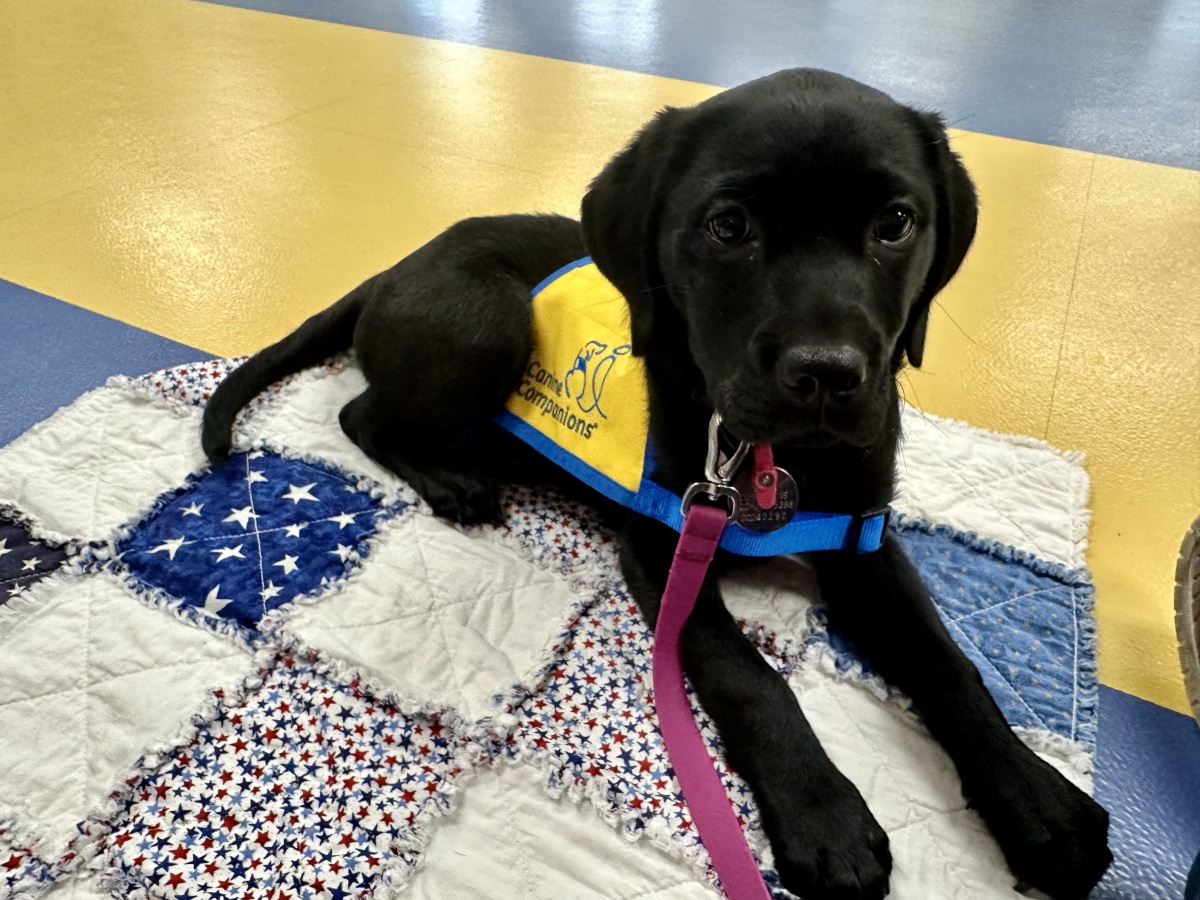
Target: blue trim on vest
567, 460
554, 276
806, 532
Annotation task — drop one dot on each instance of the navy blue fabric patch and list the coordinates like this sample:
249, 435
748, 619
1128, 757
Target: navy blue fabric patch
1026, 625
253, 534
23, 560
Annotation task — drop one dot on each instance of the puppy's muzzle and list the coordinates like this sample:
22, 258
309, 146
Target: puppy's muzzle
813, 374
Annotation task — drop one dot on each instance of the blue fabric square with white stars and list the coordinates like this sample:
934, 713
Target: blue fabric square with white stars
24, 560
255, 533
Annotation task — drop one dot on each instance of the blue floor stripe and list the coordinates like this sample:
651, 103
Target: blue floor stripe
53, 352
1148, 778
1112, 77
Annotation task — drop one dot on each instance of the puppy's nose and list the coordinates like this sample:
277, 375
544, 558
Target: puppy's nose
810, 371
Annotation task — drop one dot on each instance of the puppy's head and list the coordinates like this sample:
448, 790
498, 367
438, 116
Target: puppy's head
781, 244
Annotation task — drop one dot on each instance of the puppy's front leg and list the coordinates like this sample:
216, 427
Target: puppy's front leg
825, 841
1054, 836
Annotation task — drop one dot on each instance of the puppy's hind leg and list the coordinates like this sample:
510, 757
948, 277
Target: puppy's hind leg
436, 461
442, 345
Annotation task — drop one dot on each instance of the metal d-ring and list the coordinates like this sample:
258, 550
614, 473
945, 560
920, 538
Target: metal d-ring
718, 485
718, 493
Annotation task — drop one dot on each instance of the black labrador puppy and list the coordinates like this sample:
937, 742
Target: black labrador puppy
779, 246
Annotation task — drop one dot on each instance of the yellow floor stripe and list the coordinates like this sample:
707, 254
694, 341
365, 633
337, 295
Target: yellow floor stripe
1128, 392
216, 175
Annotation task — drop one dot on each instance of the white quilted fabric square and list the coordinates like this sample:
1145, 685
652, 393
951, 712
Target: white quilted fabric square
507, 838
98, 463
1012, 489
939, 847
91, 678
440, 616
304, 421
776, 595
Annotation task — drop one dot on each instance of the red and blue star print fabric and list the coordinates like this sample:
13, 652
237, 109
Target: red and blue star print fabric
304, 787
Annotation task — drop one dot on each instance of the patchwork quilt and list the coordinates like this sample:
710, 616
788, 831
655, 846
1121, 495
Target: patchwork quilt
284, 678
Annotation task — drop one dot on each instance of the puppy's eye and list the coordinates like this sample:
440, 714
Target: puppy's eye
729, 227
893, 225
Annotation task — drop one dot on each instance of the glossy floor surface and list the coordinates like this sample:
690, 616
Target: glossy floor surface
1103, 75
212, 175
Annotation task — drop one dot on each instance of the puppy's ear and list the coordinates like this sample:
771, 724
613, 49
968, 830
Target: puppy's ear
957, 212
620, 219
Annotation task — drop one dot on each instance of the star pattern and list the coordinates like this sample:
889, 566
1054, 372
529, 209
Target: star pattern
22, 872
23, 560
214, 604
224, 553
246, 514
191, 385
288, 564
259, 530
296, 493
301, 787
593, 723
170, 547
557, 533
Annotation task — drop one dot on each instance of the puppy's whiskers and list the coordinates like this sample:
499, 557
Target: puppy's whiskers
917, 405
951, 318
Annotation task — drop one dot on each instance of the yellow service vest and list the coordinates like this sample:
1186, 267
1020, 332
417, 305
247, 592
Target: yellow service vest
583, 389
583, 402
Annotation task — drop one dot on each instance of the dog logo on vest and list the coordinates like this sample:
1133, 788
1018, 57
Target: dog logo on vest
586, 377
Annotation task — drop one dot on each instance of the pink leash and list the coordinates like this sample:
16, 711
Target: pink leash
707, 801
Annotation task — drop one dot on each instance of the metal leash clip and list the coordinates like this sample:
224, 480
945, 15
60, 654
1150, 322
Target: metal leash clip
718, 471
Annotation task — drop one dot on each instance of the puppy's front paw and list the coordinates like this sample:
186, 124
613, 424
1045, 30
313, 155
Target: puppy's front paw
834, 850
1054, 836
